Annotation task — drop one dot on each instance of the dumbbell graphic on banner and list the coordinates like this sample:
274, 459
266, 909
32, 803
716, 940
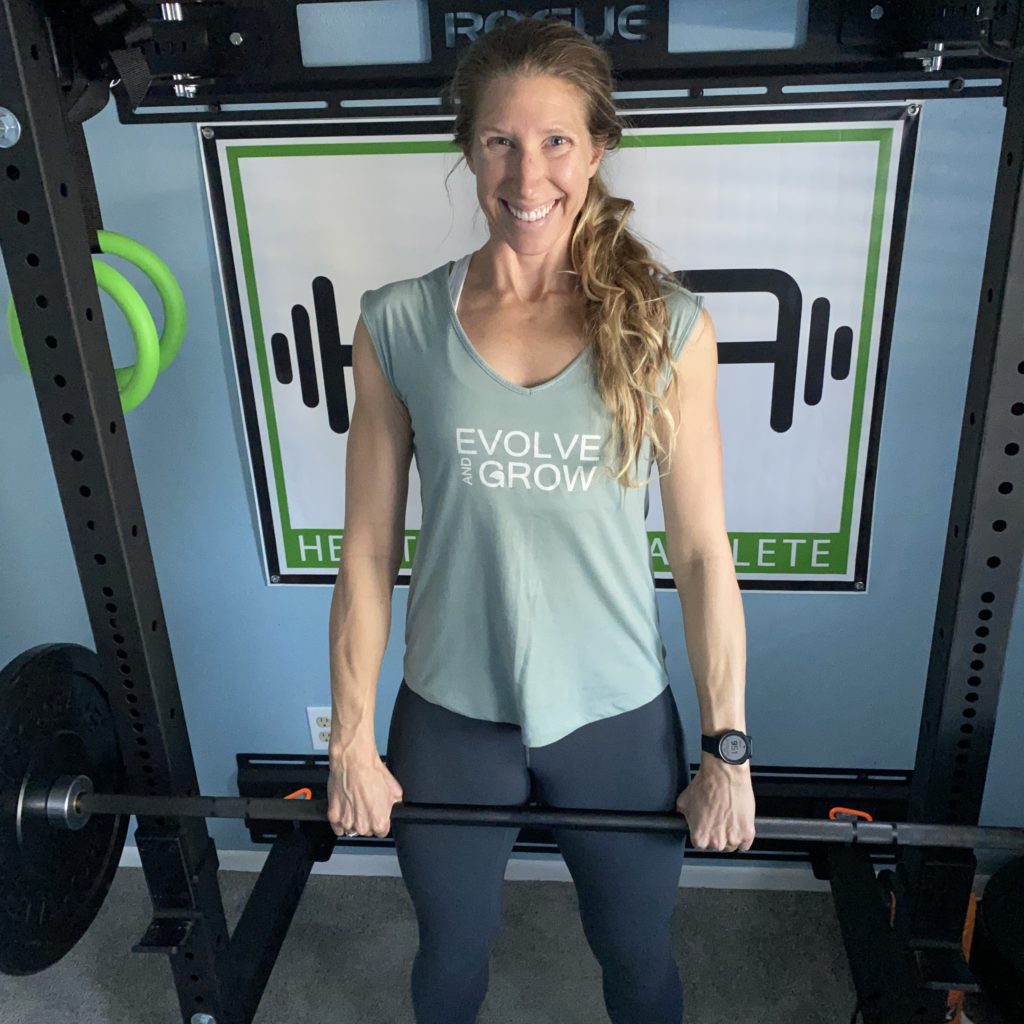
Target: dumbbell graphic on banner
335, 357
783, 352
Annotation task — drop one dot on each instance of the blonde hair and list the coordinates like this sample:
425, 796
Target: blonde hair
625, 313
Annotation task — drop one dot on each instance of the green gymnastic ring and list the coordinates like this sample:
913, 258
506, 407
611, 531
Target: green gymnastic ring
133, 382
171, 296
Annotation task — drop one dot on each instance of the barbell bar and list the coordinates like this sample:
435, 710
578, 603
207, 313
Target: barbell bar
71, 801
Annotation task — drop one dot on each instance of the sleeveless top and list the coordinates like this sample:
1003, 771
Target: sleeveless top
531, 597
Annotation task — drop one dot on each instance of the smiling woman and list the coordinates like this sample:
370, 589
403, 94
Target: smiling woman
533, 381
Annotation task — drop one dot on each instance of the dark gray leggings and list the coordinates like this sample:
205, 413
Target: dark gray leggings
625, 882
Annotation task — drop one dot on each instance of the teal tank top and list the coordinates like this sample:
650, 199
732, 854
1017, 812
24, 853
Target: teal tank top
531, 596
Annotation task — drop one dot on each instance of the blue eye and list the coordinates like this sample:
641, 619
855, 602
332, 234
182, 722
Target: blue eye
559, 137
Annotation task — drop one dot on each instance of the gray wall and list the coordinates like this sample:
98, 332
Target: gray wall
832, 680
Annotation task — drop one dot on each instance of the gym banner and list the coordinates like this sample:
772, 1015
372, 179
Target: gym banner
789, 221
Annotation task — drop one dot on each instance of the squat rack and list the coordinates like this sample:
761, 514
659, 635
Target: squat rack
191, 62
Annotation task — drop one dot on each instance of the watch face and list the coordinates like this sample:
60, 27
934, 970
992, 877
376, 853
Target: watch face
733, 747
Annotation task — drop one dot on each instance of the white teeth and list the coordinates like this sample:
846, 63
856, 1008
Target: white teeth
529, 217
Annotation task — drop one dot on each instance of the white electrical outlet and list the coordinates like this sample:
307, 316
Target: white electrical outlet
319, 727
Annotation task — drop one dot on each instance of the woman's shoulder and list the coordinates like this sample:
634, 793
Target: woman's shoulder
404, 291
684, 307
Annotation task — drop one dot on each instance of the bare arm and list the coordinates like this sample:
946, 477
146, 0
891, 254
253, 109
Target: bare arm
376, 488
699, 553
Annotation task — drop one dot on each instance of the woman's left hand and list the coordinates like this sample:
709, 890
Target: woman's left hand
718, 805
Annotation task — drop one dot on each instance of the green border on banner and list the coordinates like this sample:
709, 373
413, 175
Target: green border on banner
755, 553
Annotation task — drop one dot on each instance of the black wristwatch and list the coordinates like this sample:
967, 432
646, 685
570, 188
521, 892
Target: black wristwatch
731, 746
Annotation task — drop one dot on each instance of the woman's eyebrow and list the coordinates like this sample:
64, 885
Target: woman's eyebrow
505, 131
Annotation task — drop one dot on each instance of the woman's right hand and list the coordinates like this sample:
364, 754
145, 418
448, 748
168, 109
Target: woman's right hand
360, 794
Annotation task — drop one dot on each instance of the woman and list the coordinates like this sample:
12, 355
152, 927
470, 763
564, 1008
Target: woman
541, 376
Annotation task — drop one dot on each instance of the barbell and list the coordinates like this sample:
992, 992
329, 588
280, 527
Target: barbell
71, 801
64, 813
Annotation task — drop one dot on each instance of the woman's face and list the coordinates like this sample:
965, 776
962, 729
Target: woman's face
531, 151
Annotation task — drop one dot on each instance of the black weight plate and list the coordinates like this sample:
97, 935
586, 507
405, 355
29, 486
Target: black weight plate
54, 720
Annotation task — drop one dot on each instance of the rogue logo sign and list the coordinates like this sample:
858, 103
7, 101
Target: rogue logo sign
633, 33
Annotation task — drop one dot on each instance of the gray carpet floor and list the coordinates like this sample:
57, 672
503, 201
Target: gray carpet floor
770, 957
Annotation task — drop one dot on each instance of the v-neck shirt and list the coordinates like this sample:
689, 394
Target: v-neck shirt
456, 280
531, 598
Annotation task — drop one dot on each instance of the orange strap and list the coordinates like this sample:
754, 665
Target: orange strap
848, 814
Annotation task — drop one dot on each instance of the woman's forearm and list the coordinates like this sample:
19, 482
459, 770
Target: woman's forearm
716, 641
360, 623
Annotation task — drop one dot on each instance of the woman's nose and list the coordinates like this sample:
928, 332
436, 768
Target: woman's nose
529, 171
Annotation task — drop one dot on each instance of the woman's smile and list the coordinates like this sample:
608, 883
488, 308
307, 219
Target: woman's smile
530, 220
